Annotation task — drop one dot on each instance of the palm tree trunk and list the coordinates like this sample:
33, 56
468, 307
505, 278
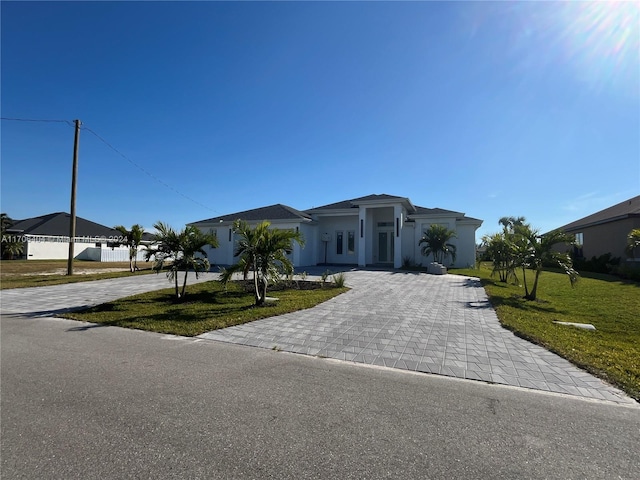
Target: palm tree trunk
256, 285
263, 294
524, 279
175, 278
534, 290
184, 284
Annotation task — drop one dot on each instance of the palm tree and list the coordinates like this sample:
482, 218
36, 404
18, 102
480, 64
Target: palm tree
535, 250
11, 246
132, 239
501, 252
510, 223
263, 251
633, 241
185, 251
436, 243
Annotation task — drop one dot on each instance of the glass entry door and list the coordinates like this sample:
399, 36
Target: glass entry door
385, 246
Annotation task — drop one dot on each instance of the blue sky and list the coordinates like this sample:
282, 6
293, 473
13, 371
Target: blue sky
493, 109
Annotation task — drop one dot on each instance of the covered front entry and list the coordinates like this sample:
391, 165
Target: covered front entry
384, 245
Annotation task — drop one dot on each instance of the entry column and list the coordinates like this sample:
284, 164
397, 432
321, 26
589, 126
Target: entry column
397, 236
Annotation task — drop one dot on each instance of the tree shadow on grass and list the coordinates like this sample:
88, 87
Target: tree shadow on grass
518, 302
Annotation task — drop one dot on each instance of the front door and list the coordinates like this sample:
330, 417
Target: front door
385, 246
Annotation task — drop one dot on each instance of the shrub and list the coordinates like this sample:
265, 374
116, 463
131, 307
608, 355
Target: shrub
339, 279
325, 275
603, 264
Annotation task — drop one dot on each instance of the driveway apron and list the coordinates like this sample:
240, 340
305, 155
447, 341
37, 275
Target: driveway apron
425, 323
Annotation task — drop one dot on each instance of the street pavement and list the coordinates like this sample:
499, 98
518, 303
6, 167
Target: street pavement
436, 324
82, 401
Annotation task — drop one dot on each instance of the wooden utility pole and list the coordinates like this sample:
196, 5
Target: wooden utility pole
74, 178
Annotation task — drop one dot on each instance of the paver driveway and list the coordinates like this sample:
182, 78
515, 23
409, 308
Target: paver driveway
426, 323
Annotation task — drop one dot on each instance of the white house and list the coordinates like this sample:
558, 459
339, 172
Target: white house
47, 238
372, 230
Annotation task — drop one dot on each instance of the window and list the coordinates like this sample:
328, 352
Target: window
339, 241
351, 243
577, 248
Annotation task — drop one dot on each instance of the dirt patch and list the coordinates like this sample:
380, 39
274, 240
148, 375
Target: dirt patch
76, 271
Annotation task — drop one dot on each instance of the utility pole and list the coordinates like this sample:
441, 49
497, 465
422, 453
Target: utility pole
74, 178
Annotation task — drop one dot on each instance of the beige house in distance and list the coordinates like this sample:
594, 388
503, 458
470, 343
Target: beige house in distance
606, 231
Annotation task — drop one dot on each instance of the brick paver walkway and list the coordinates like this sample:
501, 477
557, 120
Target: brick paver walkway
425, 323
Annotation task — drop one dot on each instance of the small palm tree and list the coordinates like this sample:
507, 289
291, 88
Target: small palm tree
633, 241
501, 252
132, 239
263, 251
536, 250
11, 247
436, 242
185, 251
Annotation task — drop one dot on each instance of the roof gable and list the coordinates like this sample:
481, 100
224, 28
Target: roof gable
354, 203
272, 212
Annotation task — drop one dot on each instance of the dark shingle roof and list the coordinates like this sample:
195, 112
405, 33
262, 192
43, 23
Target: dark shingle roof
435, 211
626, 209
272, 212
57, 224
354, 202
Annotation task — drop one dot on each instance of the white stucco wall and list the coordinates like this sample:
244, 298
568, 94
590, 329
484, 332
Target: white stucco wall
465, 241
330, 226
409, 243
309, 252
223, 254
49, 250
37, 250
466, 244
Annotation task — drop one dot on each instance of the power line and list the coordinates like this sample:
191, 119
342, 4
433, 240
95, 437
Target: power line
142, 169
37, 120
146, 172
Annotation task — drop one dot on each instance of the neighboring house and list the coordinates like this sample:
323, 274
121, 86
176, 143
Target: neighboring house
47, 238
371, 230
606, 231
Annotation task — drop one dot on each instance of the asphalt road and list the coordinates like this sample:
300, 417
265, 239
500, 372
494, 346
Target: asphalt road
104, 402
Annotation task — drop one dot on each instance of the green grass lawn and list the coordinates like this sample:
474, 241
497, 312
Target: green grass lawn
40, 273
207, 307
611, 352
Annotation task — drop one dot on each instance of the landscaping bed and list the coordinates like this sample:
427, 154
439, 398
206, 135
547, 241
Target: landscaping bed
207, 306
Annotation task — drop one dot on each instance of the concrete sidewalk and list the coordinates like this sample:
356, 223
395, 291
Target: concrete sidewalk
434, 324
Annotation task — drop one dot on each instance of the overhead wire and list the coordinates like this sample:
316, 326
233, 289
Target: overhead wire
139, 167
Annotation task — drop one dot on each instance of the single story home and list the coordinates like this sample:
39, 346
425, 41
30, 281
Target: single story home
372, 230
606, 231
47, 238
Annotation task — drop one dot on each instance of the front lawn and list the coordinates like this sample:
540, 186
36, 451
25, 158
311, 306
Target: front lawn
611, 352
207, 307
41, 273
